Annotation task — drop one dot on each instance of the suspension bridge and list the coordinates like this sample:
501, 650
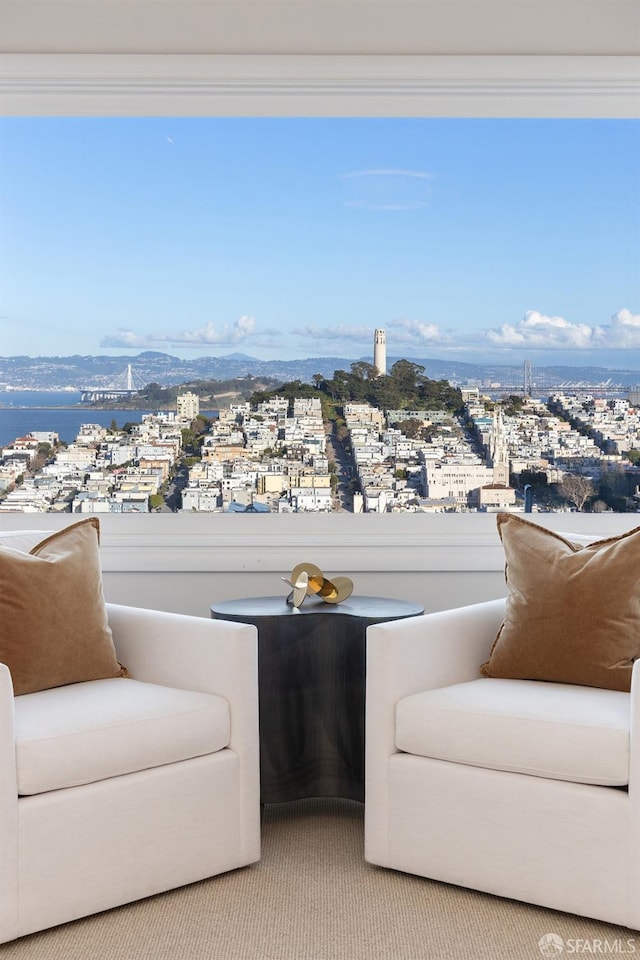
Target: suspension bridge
126, 384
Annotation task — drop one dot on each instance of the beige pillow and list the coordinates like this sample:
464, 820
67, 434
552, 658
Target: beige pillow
53, 620
573, 612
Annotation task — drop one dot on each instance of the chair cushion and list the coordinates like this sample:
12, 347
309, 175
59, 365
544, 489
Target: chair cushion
91, 731
554, 730
573, 612
53, 619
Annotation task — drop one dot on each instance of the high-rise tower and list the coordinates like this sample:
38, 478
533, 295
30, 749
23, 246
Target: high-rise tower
380, 352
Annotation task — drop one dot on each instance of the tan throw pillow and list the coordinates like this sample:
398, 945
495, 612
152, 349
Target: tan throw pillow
573, 612
53, 620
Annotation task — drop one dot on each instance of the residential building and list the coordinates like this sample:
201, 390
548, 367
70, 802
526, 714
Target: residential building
187, 406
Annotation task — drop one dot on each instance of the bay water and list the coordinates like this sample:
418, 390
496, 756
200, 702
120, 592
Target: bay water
24, 411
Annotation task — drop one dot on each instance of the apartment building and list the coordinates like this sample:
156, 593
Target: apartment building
187, 406
458, 481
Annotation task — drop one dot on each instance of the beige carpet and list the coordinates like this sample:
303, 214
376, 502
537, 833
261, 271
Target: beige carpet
312, 897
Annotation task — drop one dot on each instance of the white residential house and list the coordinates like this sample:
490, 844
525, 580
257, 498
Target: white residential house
201, 500
311, 499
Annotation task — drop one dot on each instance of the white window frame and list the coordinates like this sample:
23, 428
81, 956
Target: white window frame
332, 85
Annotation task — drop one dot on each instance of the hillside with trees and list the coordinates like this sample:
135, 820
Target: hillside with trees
405, 387
213, 393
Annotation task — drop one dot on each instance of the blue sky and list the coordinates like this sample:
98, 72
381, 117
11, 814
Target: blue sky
478, 240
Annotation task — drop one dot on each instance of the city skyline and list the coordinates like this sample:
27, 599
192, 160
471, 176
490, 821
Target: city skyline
468, 240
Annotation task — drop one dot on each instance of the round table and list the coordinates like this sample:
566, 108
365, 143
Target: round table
311, 668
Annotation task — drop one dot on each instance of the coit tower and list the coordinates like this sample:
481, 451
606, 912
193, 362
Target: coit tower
380, 352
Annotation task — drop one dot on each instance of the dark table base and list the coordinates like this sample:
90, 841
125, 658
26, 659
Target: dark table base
312, 691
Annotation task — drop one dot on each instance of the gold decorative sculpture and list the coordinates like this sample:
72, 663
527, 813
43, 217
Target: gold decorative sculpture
308, 580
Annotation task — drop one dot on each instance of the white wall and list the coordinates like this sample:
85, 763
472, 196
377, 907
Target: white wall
194, 593
186, 562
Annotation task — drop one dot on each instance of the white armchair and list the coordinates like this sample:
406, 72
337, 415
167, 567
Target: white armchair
524, 789
113, 790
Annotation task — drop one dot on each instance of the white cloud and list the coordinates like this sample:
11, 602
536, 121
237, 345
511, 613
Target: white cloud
124, 338
401, 331
240, 330
340, 332
623, 331
538, 331
388, 172
416, 332
535, 331
387, 189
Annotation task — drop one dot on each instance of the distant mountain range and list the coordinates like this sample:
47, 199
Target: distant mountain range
78, 372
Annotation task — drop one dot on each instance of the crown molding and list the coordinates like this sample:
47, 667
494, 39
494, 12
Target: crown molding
332, 85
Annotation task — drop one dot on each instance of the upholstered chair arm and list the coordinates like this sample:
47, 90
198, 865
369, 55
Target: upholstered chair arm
212, 656
434, 650
634, 734
192, 653
8, 811
405, 657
